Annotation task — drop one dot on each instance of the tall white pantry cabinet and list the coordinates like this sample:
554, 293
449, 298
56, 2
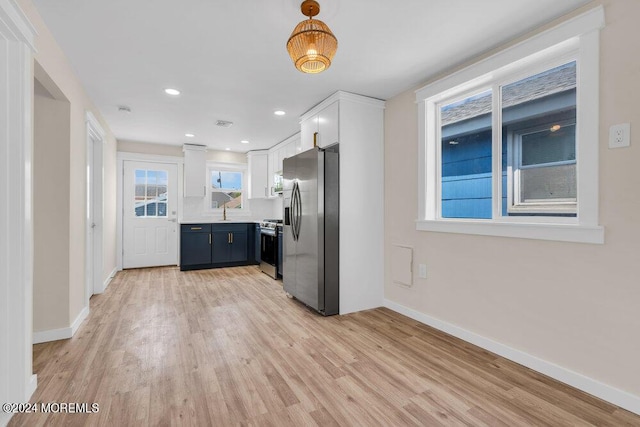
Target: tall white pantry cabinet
357, 123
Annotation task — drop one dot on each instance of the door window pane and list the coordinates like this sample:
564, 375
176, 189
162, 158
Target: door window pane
150, 193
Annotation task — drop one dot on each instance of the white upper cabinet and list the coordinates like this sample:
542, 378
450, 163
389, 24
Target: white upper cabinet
328, 130
307, 129
287, 148
323, 126
259, 182
195, 170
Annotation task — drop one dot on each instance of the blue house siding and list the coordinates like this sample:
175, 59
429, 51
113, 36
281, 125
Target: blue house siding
466, 176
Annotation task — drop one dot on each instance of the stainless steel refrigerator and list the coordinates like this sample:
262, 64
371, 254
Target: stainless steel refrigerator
312, 229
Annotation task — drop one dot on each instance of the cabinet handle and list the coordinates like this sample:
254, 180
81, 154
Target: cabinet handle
196, 228
204, 190
209, 238
315, 139
265, 192
228, 237
231, 237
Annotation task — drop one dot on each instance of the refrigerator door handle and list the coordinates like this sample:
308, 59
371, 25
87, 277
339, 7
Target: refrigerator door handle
299, 211
292, 211
295, 211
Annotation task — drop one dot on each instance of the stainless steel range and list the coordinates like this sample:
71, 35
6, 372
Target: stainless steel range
269, 257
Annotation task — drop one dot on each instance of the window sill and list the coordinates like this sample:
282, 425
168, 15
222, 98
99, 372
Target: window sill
555, 232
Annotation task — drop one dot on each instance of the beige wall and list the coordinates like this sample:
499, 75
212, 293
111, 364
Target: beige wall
575, 305
176, 151
53, 62
50, 212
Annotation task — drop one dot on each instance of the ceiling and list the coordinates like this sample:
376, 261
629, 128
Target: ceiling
228, 57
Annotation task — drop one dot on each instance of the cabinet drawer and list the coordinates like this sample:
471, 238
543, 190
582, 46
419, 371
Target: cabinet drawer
195, 228
238, 227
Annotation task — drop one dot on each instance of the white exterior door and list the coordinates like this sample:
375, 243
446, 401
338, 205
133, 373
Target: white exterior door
149, 220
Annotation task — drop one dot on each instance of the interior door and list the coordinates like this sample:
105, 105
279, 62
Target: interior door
149, 220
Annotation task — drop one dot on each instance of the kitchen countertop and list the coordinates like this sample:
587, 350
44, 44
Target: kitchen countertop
219, 221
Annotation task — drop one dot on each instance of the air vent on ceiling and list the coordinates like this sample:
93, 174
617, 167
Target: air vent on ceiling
224, 123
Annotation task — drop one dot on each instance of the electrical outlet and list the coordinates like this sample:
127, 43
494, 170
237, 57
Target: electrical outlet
422, 271
619, 135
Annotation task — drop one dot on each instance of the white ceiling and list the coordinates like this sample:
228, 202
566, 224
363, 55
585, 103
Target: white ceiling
228, 57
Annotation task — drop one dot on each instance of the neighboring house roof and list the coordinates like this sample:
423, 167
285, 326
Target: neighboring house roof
557, 80
220, 197
142, 190
235, 203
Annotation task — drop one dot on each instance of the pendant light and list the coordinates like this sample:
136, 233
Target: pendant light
312, 45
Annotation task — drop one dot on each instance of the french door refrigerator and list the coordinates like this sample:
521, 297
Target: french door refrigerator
312, 229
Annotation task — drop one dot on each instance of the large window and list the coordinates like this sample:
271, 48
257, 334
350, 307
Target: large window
510, 145
226, 188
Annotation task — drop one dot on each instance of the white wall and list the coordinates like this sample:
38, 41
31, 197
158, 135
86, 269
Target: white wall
572, 305
51, 167
52, 64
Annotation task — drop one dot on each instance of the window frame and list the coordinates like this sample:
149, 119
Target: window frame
575, 39
227, 167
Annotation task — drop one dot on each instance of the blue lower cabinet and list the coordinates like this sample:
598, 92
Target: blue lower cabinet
230, 245
195, 245
239, 246
217, 245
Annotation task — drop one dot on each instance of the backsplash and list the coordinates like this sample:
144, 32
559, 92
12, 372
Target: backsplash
193, 209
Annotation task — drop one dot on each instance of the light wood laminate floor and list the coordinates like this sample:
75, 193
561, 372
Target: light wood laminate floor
227, 347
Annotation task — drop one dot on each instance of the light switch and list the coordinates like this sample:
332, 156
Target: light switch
422, 271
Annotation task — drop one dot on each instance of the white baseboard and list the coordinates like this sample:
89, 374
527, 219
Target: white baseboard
51, 335
108, 280
31, 388
111, 276
76, 324
605, 392
62, 333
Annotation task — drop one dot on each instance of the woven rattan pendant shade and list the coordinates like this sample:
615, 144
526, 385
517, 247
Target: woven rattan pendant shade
312, 45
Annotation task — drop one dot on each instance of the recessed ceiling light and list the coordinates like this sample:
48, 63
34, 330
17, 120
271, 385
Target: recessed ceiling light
228, 149
244, 141
173, 92
279, 113
189, 135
